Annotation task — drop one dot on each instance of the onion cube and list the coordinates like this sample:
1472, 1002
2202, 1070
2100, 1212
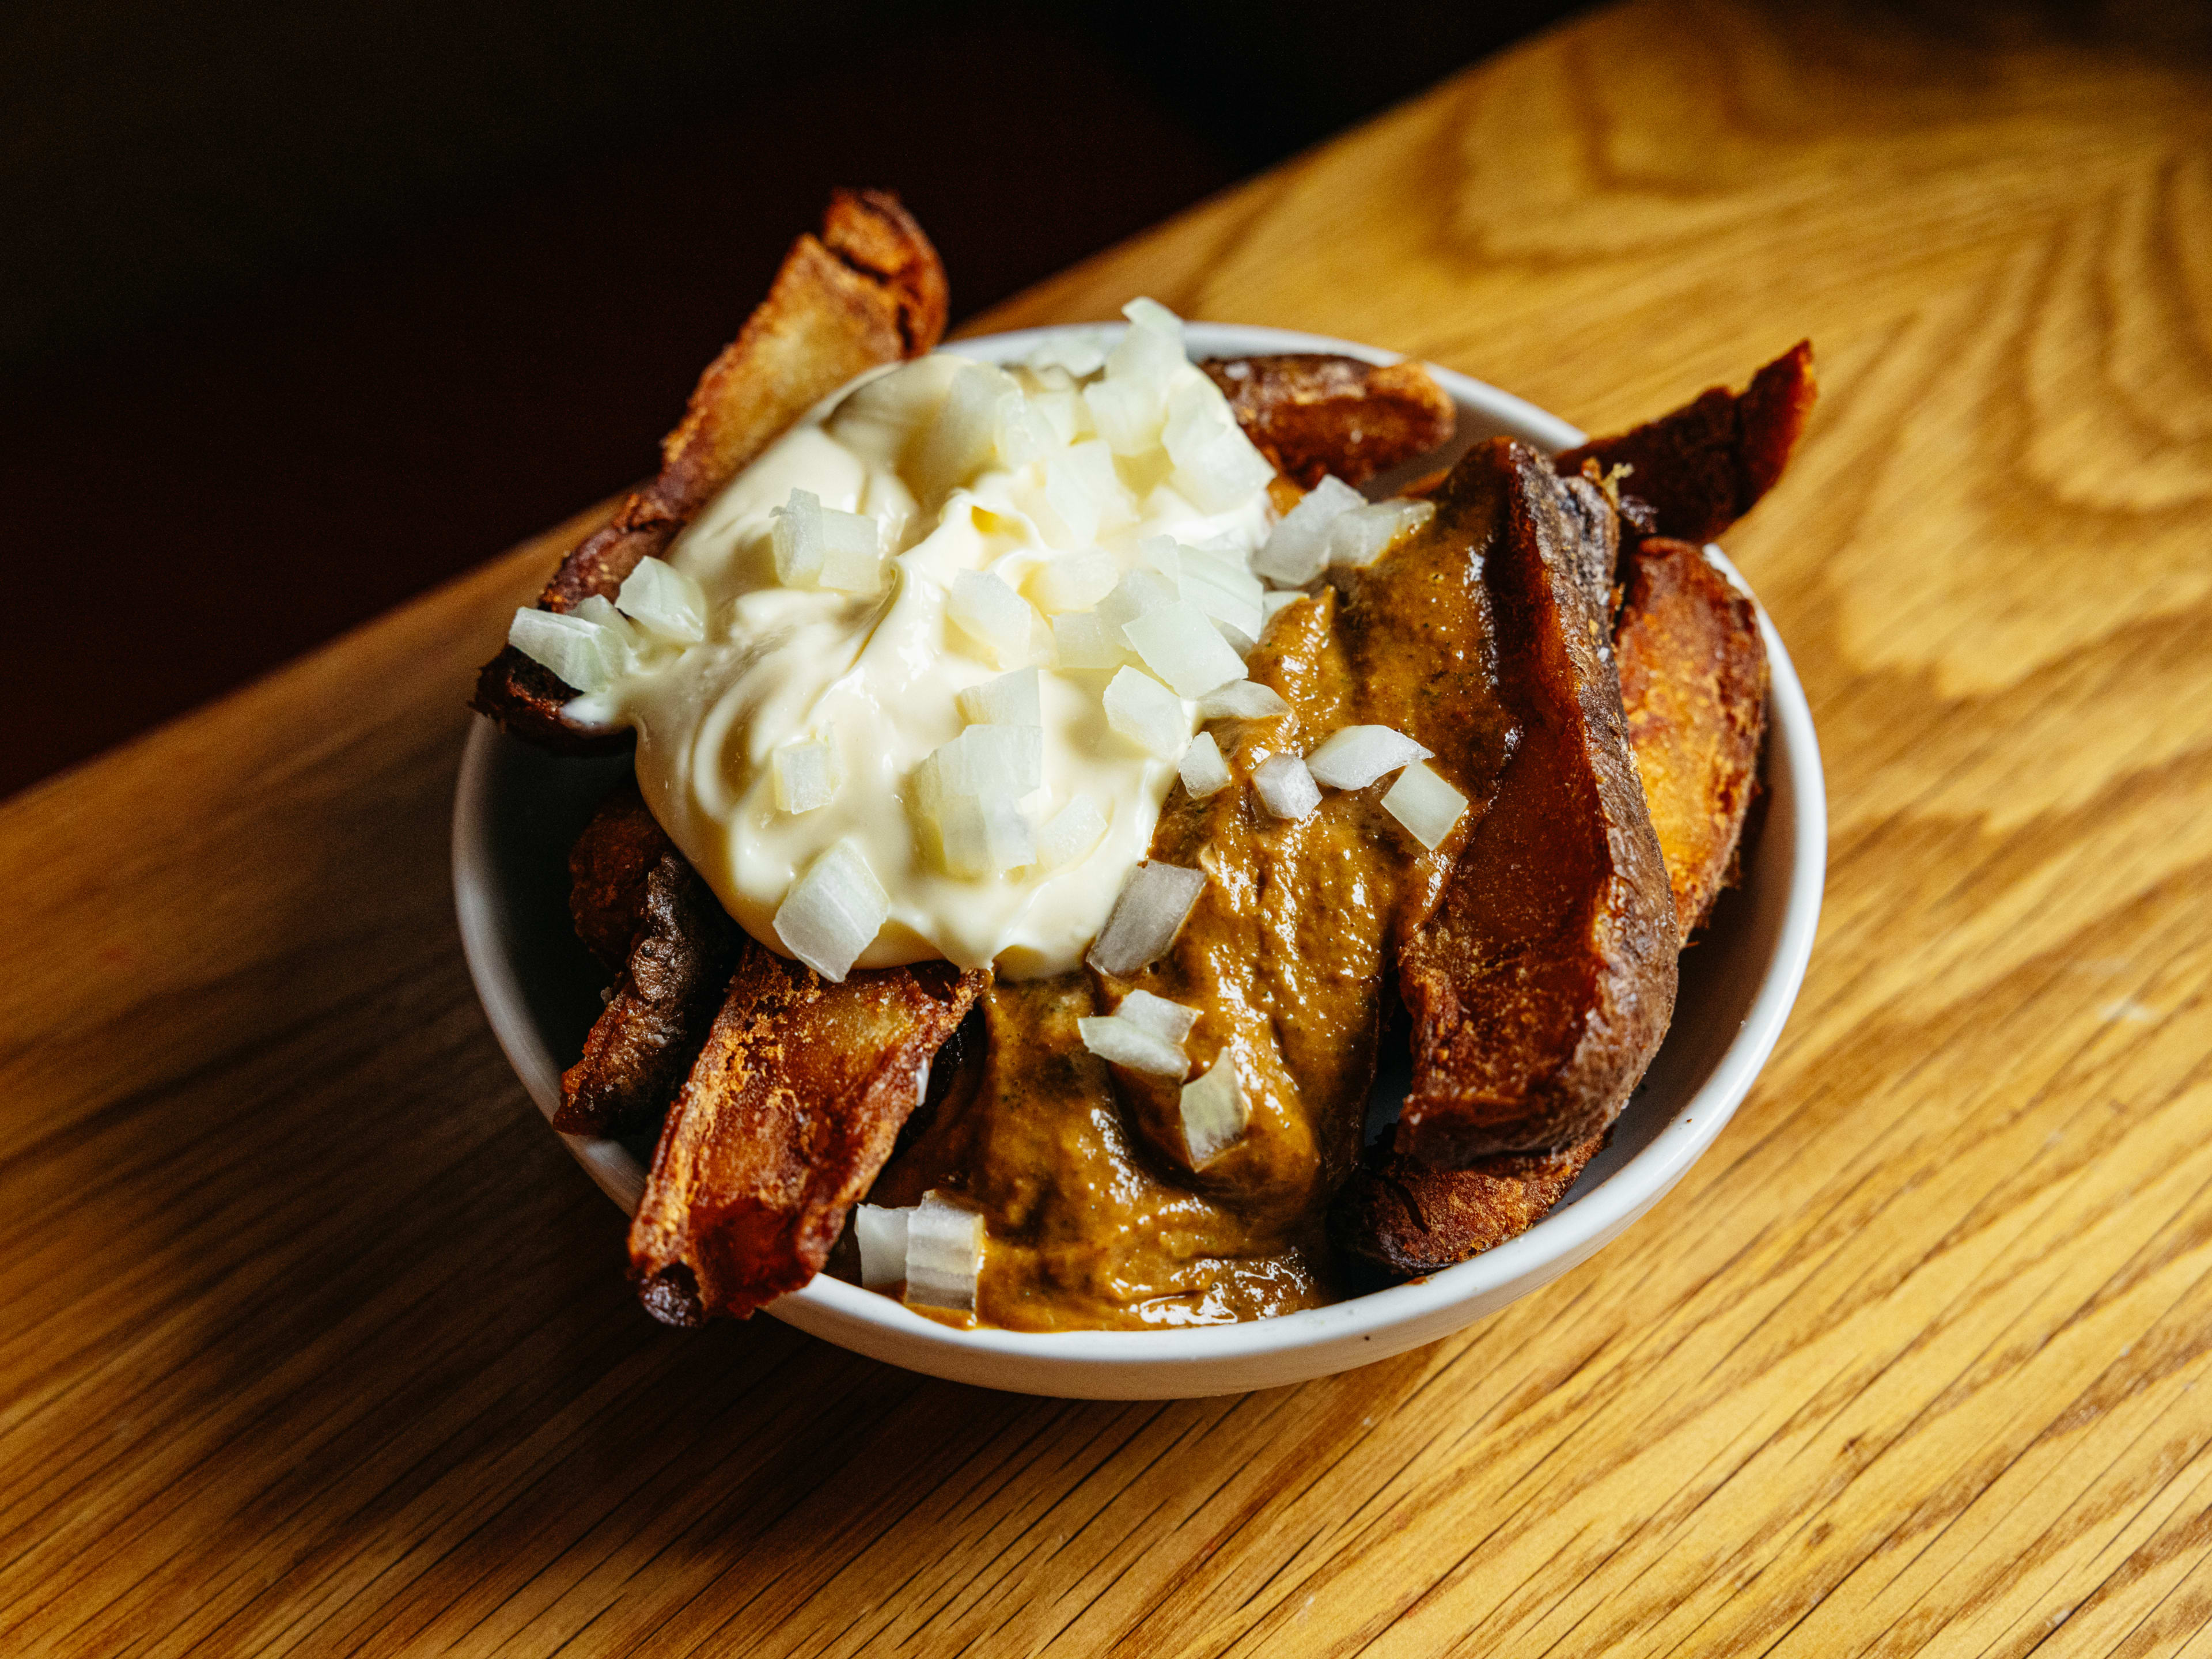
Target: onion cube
994, 618
1151, 348
882, 1236
1154, 903
989, 760
1427, 805
1078, 353
944, 1254
833, 912
1286, 788
1124, 1042
1010, 700
1215, 1114
805, 776
1083, 639
1073, 581
1023, 433
1297, 550
1070, 833
1147, 713
965, 432
1229, 593
978, 835
1358, 537
1082, 489
1170, 1022
1179, 644
795, 537
1216, 467
1126, 413
852, 553
580, 653
1242, 700
1355, 756
1204, 772
664, 601
621, 632
1139, 591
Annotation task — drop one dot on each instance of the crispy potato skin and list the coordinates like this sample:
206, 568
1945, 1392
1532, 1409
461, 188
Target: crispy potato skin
1402, 1216
869, 290
1693, 686
1706, 464
790, 1112
1312, 414
1542, 983
638, 903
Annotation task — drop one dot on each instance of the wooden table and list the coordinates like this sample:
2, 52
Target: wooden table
316, 1342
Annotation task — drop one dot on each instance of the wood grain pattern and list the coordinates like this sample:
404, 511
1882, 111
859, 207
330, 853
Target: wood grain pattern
316, 1343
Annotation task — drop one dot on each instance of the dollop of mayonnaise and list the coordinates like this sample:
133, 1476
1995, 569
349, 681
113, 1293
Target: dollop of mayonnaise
1027, 474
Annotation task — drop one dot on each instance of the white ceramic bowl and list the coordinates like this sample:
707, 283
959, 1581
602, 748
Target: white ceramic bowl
517, 811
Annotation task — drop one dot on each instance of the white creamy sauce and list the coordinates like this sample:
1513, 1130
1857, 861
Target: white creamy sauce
878, 676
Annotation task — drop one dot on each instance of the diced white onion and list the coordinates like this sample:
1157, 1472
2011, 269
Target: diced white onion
993, 616
1285, 787
1073, 581
1216, 467
664, 601
1082, 489
1151, 910
1063, 410
967, 794
1170, 1022
1079, 354
1215, 1113
1023, 432
833, 912
1225, 591
1297, 550
1070, 833
1124, 1042
1010, 700
852, 552
944, 1254
964, 434
1204, 772
1126, 413
1425, 804
597, 610
882, 1234
977, 836
806, 776
581, 652
988, 760
1152, 349
1141, 710
1139, 591
1083, 639
795, 537
1243, 699
1355, 755
1179, 644
1358, 537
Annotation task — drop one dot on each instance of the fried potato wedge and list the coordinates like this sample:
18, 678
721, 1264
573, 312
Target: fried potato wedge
789, 1113
677, 949
1401, 1215
1694, 687
1312, 414
1705, 465
868, 291
1542, 984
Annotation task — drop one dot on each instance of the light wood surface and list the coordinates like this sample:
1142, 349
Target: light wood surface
316, 1342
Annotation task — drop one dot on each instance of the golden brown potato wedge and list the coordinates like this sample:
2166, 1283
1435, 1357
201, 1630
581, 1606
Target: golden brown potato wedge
1401, 1215
678, 948
1705, 465
1312, 414
1541, 987
790, 1112
1693, 686
868, 291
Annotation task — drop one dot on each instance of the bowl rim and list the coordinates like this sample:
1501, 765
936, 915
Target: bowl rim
840, 1311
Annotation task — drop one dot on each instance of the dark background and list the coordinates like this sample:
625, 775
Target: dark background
303, 308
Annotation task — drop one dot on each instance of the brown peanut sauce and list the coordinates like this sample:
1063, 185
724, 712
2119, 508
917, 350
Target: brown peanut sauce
1096, 1218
